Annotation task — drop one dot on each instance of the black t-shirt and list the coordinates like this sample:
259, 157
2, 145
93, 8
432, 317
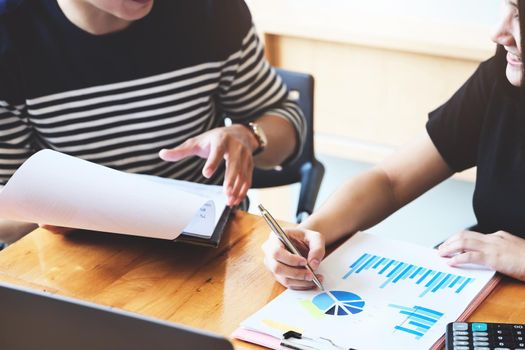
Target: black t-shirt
481, 126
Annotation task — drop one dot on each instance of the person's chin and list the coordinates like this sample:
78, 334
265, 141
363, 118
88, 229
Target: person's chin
514, 74
137, 9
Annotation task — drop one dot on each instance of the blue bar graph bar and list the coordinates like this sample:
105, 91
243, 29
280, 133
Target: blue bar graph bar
416, 272
434, 279
365, 264
424, 276
467, 281
408, 272
379, 263
433, 282
398, 272
430, 312
358, 261
403, 273
387, 266
442, 283
420, 325
416, 320
414, 315
455, 281
371, 262
395, 269
417, 334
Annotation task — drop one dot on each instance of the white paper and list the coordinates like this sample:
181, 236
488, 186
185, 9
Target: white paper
56, 189
209, 214
375, 313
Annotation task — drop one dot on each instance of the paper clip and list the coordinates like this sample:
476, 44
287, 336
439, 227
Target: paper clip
297, 341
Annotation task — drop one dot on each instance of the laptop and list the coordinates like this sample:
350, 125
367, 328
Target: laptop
31, 319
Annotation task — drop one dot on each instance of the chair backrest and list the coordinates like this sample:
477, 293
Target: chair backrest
301, 87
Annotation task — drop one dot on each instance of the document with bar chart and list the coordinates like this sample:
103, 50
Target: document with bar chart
378, 291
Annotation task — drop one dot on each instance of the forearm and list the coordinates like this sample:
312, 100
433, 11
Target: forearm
359, 204
282, 141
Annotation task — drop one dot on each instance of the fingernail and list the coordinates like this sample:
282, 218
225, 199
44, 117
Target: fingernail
309, 277
302, 262
314, 264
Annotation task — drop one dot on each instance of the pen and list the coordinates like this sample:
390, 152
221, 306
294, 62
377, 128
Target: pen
286, 241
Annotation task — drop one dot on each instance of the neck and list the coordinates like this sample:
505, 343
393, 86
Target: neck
90, 18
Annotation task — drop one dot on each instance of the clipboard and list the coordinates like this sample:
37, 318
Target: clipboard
392, 306
289, 340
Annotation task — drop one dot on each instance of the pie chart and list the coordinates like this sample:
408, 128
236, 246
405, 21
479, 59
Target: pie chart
338, 303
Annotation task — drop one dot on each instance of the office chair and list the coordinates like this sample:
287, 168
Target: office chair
306, 169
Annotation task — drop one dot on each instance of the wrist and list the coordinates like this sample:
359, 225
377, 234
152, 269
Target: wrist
257, 134
246, 136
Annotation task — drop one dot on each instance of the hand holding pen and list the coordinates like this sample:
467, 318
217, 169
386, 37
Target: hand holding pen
292, 270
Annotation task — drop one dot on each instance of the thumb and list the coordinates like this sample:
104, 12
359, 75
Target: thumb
187, 149
316, 244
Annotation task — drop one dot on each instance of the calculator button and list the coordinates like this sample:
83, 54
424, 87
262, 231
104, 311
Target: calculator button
461, 343
504, 326
481, 334
501, 349
479, 327
461, 348
481, 343
480, 338
460, 326
460, 337
460, 333
482, 348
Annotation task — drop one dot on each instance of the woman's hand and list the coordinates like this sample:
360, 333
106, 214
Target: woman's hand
235, 144
499, 251
289, 269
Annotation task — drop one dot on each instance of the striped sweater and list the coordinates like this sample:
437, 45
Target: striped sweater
118, 99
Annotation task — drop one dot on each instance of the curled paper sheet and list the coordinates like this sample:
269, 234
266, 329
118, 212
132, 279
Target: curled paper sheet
56, 189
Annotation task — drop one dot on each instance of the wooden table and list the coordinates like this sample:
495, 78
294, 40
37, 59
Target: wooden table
213, 289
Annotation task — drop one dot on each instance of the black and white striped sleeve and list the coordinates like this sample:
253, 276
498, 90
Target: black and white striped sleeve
250, 88
15, 139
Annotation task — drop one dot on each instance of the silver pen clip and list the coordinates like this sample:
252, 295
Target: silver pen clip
297, 341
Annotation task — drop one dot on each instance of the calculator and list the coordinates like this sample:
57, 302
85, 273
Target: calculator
485, 336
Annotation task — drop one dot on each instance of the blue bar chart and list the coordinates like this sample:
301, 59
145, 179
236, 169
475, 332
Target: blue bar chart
418, 320
394, 272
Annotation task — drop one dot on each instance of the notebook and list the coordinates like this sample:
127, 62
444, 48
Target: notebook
57, 189
377, 291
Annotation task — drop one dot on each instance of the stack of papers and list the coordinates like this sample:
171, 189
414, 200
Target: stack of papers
56, 189
379, 293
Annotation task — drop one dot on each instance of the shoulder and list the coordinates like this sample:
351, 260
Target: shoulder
15, 23
226, 22
490, 77
15, 20
231, 15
